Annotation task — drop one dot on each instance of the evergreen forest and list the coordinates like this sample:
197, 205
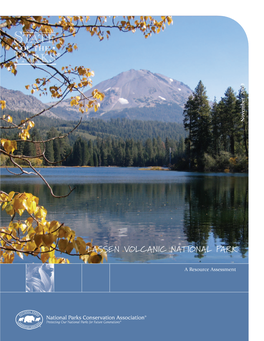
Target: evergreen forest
213, 137
217, 136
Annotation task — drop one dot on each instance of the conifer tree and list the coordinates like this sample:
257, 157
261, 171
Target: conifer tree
197, 121
231, 119
91, 152
85, 153
216, 129
77, 155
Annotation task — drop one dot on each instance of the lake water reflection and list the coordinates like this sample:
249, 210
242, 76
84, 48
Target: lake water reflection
148, 216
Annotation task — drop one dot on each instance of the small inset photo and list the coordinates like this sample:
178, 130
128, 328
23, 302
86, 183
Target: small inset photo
40, 278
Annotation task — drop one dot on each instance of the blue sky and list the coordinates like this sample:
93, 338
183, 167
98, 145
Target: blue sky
213, 49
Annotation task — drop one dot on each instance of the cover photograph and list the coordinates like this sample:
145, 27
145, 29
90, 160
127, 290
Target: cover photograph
124, 178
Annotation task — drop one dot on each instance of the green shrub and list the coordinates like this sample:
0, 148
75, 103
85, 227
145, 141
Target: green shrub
209, 163
223, 161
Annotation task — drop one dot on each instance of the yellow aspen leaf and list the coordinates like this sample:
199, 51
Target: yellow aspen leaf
85, 258
31, 124
29, 220
30, 246
44, 257
54, 225
71, 235
4, 205
33, 198
95, 258
55, 260
19, 205
14, 225
62, 244
20, 254
90, 245
169, 20
8, 257
32, 207
3, 197
20, 211
76, 246
9, 119
40, 213
23, 227
26, 201
66, 261
97, 94
9, 146
104, 255
96, 248
65, 232
69, 247
24, 135
8, 247
62, 232
74, 102
38, 240
10, 196
40, 228
48, 239
81, 245
13, 233
8, 236
3, 104
81, 70
18, 246
9, 209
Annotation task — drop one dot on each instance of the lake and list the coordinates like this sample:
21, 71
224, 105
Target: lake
147, 216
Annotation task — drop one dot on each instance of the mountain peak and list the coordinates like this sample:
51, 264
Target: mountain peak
140, 88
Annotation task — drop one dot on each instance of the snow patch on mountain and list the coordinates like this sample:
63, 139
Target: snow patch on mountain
164, 99
123, 101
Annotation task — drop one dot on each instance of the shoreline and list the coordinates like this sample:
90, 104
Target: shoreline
150, 168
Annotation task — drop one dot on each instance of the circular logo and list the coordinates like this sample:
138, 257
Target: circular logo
29, 319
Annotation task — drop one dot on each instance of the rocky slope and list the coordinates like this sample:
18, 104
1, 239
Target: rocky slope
135, 94
17, 101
